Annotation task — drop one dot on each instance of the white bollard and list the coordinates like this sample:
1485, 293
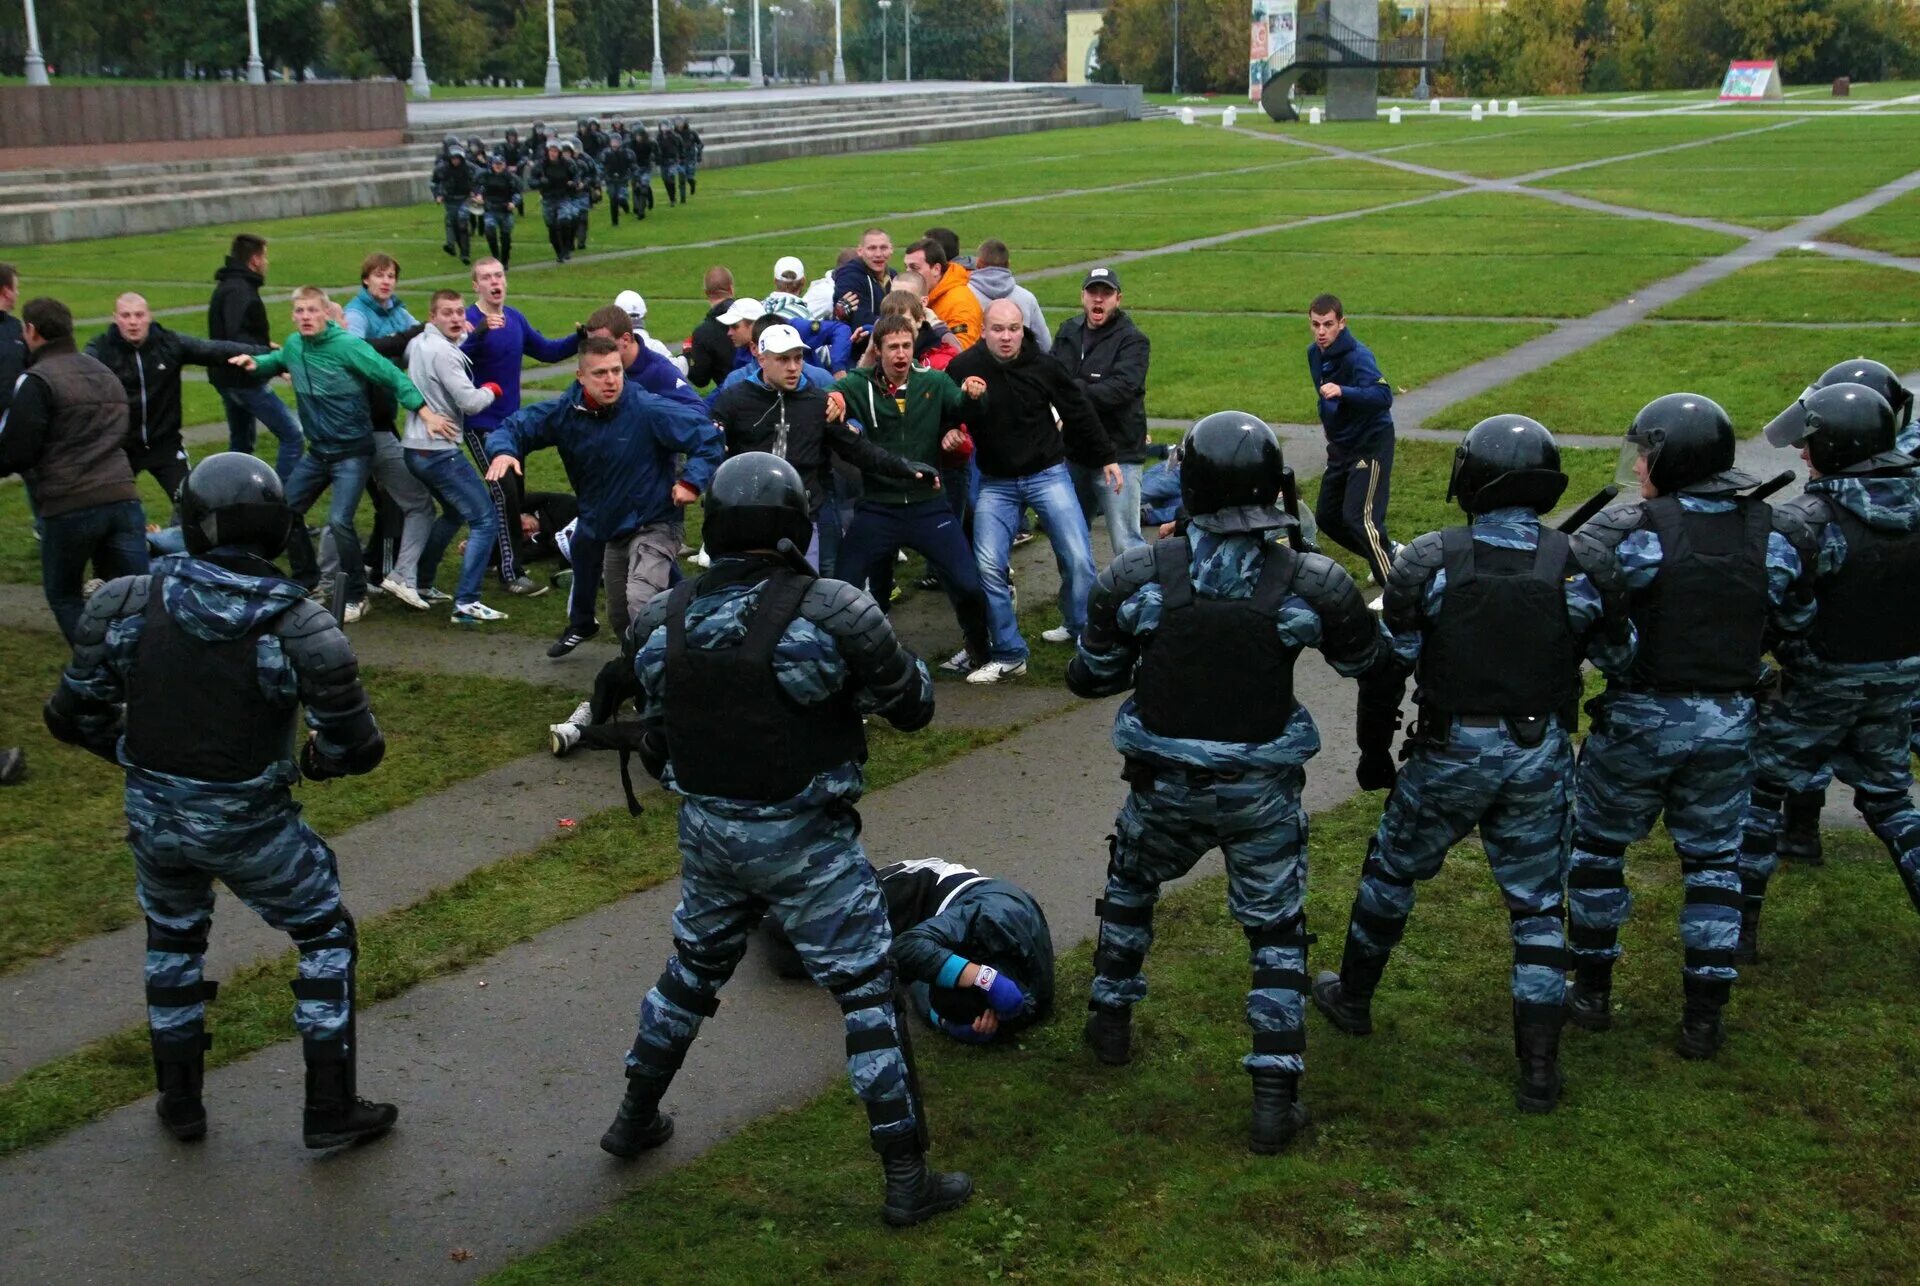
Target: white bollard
1513, 107
1433, 106
1186, 116
1493, 107
1228, 117
1476, 111
1313, 116
1393, 116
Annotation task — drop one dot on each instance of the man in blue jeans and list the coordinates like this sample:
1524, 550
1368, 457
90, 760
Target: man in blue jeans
1022, 454
66, 432
236, 313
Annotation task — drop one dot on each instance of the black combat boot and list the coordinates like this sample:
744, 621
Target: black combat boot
915, 1193
1536, 1042
639, 1124
1110, 1031
1278, 1116
1701, 1031
179, 1069
335, 1114
1590, 997
1800, 828
1346, 998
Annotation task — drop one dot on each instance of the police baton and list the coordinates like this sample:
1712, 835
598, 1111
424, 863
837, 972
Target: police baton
338, 605
791, 554
1594, 504
1772, 485
1290, 501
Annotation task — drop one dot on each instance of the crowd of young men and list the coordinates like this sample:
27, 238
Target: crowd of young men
906, 409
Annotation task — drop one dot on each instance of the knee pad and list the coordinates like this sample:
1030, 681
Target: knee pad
190, 941
335, 929
1288, 935
710, 966
1110, 960
850, 1003
681, 996
1769, 796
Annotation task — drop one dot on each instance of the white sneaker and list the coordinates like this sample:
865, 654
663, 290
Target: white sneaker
475, 612
994, 671
405, 593
1058, 634
701, 559
899, 555
430, 596
581, 716
960, 662
355, 611
1379, 603
562, 737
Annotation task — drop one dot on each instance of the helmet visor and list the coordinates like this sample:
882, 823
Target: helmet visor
1790, 426
1636, 464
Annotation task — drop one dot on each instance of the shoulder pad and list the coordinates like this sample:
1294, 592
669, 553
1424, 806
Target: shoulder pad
842, 610
1599, 565
1130, 570
649, 618
1324, 583
122, 596
312, 639
1801, 518
1407, 579
1612, 525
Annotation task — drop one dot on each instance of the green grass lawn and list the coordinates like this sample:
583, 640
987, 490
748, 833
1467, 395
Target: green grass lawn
1753, 373
1804, 286
1894, 228
1791, 1156
63, 881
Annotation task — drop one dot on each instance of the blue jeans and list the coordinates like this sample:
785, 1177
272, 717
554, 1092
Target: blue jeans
463, 498
257, 402
348, 478
113, 537
1122, 511
929, 528
996, 515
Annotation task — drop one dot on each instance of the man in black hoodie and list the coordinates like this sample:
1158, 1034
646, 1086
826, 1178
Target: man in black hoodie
235, 313
1022, 454
709, 350
148, 357
1107, 357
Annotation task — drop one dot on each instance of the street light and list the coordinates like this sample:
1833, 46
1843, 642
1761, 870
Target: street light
754, 71
777, 13
906, 15
1176, 46
1423, 90
839, 64
728, 10
256, 70
884, 6
1009, 42
36, 65
422, 87
553, 55
657, 78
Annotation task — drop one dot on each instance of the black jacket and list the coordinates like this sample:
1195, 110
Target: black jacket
1014, 435
1110, 365
67, 433
236, 313
151, 376
751, 414
455, 182
641, 145
709, 349
499, 192
13, 356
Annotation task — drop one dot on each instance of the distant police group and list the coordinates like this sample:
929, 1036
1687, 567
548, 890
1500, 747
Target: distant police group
753, 682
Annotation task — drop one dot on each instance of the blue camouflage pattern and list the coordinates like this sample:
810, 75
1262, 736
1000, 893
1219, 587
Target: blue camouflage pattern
1462, 775
1688, 756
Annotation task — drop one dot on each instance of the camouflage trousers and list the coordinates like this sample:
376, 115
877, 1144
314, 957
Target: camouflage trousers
1687, 756
810, 873
1520, 798
1257, 823
184, 835
1861, 725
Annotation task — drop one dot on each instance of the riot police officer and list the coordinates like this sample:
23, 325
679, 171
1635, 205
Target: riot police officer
1849, 685
1495, 617
1205, 628
1709, 573
212, 656
558, 185
754, 679
692, 151
616, 164
669, 153
500, 195
975, 951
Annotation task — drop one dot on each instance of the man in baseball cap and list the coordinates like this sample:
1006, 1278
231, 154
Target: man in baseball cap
739, 317
634, 306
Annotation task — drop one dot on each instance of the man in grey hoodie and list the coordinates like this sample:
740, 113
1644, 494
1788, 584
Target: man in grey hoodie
993, 279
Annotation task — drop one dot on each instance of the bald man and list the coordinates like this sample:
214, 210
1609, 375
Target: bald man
148, 357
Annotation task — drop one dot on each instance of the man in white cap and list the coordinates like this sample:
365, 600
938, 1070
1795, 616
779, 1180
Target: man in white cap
634, 306
739, 318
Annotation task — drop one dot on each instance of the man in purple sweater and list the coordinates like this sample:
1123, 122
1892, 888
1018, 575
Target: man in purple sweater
498, 338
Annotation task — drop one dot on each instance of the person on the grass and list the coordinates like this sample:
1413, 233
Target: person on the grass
1710, 577
1495, 618
1356, 410
755, 677
192, 680
975, 952
1204, 628
1850, 685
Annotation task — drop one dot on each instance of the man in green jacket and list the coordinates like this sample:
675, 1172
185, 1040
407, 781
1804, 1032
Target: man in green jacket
914, 412
332, 372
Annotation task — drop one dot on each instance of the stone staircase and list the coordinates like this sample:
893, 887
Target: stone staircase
40, 206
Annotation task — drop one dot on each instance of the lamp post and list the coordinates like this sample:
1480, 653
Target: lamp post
777, 12
256, 70
422, 87
1009, 41
727, 9
1423, 90
1176, 46
553, 55
657, 78
754, 72
884, 6
839, 64
36, 65
906, 12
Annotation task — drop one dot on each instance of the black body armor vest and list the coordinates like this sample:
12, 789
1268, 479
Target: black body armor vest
1871, 610
1502, 644
1703, 621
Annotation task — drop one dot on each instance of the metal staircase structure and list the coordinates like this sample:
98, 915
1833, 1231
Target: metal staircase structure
1323, 43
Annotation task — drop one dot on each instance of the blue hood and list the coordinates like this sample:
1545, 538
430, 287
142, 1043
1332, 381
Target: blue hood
1888, 503
216, 605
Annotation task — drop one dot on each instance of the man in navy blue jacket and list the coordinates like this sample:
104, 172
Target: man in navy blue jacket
618, 443
1356, 410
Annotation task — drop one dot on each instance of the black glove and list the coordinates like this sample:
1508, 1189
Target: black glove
926, 472
1376, 770
653, 754
315, 766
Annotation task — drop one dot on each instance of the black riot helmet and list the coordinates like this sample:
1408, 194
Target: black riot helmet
1506, 460
449, 143
1684, 438
1230, 474
234, 499
1864, 370
1845, 425
756, 500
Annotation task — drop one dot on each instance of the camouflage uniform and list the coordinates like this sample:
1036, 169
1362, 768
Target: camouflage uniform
1684, 754
798, 859
946, 916
1855, 716
187, 831
1190, 796
1468, 773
